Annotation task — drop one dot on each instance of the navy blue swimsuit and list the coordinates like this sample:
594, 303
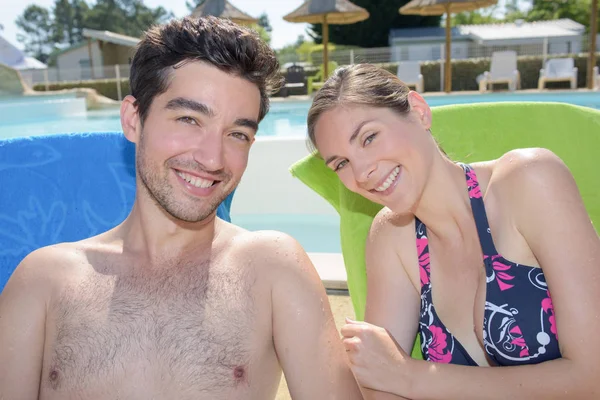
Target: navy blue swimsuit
518, 326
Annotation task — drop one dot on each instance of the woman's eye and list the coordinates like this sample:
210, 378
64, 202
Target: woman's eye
340, 165
241, 136
369, 139
187, 120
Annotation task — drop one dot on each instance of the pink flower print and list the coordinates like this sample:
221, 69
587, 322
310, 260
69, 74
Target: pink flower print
501, 276
423, 260
437, 348
474, 190
519, 341
549, 309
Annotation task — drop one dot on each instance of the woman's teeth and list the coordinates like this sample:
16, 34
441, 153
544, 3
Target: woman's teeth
390, 179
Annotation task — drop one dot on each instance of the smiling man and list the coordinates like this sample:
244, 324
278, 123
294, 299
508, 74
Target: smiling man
175, 303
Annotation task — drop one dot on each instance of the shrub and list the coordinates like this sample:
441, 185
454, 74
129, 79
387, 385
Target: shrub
105, 87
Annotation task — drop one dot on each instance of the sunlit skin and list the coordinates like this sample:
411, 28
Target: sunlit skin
363, 145
537, 218
175, 303
193, 129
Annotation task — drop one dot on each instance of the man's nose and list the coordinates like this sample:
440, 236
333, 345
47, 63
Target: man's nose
209, 152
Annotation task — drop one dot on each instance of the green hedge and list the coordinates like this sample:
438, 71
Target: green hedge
105, 87
465, 72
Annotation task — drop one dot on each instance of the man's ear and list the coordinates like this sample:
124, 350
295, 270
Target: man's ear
420, 109
130, 119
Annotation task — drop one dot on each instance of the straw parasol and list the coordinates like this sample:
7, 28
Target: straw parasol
223, 9
592, 54
336, 12
448, 7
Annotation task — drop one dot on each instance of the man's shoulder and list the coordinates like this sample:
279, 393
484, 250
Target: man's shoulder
272, 251
54, 260
270, 244
43, 270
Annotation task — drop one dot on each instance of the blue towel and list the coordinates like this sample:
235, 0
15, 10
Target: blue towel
63, 188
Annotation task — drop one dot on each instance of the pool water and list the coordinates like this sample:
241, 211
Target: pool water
38, 115
34, 116
316, 233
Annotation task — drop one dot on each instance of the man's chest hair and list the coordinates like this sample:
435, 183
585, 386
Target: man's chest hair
192, 322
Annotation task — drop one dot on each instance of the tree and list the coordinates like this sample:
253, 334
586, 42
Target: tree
46, 30
262, 32
37, 25
128, 17
289, 50
263, 27
263, 21
374, 31
577, 10
476, 17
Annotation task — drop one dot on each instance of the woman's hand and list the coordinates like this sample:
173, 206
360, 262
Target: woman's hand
376, 359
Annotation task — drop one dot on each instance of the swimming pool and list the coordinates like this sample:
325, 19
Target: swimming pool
316, 233
38, 115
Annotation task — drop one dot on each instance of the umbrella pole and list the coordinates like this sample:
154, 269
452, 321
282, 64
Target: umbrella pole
448, 66
592, 53
325, 52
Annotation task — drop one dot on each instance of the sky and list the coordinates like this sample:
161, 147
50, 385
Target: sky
283, 32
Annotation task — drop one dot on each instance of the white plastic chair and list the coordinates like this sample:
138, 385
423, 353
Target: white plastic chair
503, 70
409, 72
558, 70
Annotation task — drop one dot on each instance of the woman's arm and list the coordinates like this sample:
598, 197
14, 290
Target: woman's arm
550, 215
392, 300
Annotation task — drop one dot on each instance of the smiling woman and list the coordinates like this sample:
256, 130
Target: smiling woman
492, 237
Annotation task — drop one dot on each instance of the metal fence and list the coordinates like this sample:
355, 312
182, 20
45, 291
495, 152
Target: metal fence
382, 55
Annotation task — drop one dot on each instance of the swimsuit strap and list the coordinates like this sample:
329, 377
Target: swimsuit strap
481, 220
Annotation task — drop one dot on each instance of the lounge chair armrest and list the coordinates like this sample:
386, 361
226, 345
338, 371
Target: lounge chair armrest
542, 72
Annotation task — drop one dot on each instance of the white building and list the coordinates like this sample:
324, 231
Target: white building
95, 57
472, 41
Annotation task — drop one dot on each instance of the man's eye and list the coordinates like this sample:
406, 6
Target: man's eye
241, 136
187, 120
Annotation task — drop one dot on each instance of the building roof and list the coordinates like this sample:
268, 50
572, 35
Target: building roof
491, 32
111, 37
13, 57
524, 30
426, 34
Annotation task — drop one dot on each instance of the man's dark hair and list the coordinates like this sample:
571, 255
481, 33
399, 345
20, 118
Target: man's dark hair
219, 42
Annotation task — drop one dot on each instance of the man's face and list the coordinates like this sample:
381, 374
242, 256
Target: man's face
194, 145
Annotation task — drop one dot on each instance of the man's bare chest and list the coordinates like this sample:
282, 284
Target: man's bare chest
194, 329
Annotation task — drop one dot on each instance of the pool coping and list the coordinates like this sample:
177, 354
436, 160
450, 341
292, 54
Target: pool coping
331, 270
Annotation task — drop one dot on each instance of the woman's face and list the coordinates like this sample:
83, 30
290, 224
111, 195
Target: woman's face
378, 153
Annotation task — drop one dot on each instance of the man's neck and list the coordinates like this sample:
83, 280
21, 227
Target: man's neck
153, 234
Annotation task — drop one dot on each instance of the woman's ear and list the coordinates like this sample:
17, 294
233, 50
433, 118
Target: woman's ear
420, 109
130, 119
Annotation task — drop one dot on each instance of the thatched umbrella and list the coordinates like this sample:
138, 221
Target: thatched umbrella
223, 9
448, 7
336, 12
592, 54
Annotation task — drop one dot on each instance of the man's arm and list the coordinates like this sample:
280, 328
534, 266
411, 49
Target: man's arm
307, 343
22, 328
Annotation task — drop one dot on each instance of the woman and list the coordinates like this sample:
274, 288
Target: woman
511, 276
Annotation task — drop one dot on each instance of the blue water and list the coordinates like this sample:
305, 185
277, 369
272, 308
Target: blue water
38, 115
316, 233
35, 115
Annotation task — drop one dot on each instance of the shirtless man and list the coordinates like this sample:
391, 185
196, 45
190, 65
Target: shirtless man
175, 303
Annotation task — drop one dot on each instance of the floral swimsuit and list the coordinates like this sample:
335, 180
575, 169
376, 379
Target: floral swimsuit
518, 324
